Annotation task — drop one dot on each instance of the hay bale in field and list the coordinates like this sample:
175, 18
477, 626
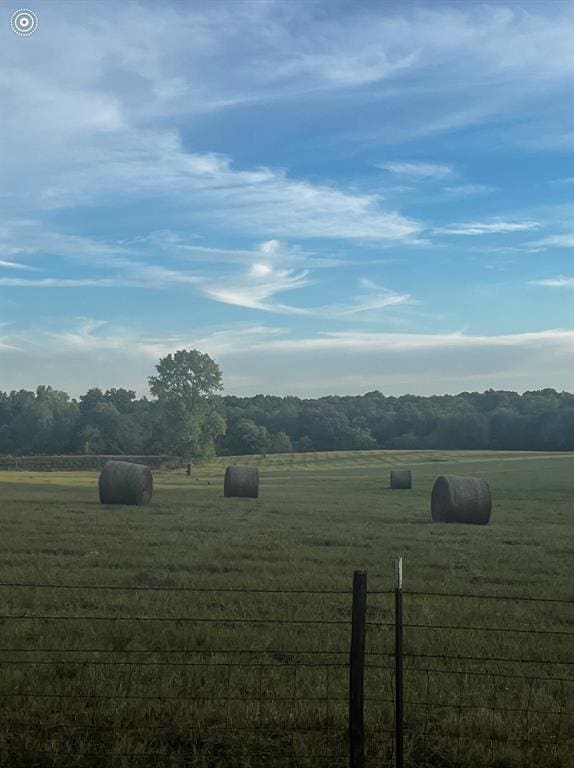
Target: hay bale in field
122, 482
241, 481
457, 499
401, 478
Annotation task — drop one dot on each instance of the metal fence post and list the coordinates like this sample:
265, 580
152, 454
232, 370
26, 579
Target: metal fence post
357, 671
399, 757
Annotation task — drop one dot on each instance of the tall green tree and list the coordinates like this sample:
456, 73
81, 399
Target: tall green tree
188, 412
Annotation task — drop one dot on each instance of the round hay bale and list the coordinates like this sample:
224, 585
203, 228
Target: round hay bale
401, 478
457, 499
122, 482
241, 481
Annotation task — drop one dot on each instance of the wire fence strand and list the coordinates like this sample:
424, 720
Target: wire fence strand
185, 697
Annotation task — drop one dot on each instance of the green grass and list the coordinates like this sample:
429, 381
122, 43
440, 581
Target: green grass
319, 517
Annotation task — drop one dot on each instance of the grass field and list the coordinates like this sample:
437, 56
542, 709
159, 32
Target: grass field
319, 517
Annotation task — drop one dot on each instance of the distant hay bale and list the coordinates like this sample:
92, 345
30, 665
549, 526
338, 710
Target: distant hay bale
401, 478
122, 482
241, 481
458, 499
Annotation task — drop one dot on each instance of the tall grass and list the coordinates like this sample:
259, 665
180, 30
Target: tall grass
317, 519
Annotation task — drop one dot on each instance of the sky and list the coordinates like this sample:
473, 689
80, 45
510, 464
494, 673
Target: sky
326, 197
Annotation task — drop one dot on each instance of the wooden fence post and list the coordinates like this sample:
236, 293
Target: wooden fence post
399, 758
357, 671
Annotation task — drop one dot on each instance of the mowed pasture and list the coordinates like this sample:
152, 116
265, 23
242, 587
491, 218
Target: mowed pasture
141, 673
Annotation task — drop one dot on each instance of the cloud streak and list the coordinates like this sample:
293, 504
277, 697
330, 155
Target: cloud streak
260, 274
370, 302
92, 334
13, 265
259, 284
262, 201
554, 241
496, 227
555, 282
405, 342
419, 170
260, 358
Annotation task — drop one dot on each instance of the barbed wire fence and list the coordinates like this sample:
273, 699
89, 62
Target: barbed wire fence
227, 676
497, 691
203, 676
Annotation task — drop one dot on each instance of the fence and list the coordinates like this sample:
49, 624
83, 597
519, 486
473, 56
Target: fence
84, 462
226, 676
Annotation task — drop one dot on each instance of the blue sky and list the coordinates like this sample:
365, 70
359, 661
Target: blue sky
327, 197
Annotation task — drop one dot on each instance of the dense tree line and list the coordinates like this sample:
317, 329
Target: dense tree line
116, 421
496, 420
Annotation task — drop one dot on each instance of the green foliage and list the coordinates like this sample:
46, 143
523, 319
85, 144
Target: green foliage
280, 443
187, 375
187, 415
40, 422
246, 437
111, 423
492, 420
188, 418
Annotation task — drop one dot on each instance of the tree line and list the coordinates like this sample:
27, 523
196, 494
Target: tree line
187, 416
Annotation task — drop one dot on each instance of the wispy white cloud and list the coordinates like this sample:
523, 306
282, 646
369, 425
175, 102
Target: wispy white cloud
487, 227
554, 241
373, 302
144, 276
254, 278
563, 180
59, 282
555, 282
418, 170
468, 190
275, 251
90, 334
13, 265
256, 286
547, 138
440, 180
310, 364
370, 301
33, 238
261, 277
5, 346
261, 201
404, 342
128, 76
